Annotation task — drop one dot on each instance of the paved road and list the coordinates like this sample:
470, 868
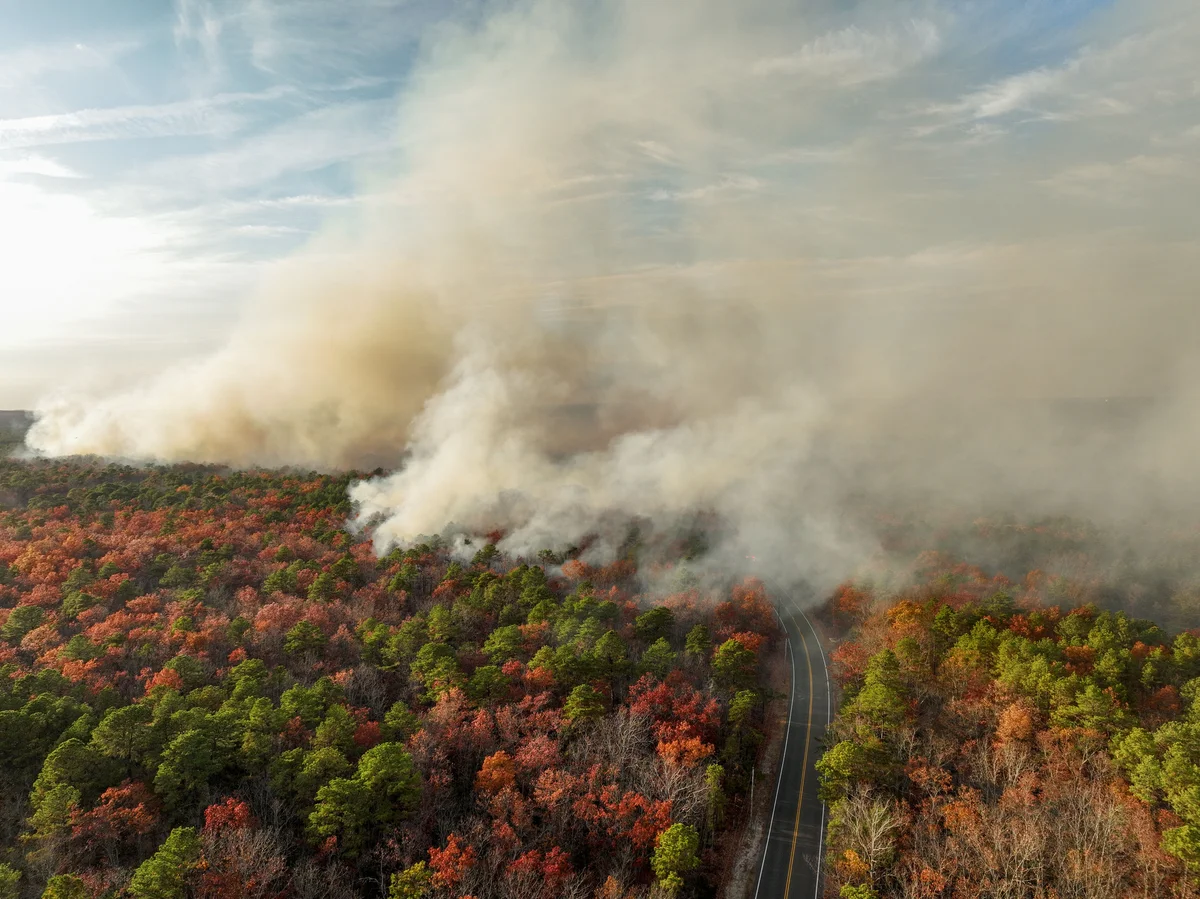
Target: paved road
791, 865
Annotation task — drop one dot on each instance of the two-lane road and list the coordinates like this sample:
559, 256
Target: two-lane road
791, 864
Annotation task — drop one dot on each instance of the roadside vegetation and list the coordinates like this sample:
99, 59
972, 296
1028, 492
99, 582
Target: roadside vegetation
1003, 737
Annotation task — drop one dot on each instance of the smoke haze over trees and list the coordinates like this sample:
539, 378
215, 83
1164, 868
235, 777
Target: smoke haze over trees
209, 688
653, 258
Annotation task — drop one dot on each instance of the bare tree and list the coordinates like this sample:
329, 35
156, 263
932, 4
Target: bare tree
869, 825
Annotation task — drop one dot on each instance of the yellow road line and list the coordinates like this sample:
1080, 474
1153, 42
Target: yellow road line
787, 887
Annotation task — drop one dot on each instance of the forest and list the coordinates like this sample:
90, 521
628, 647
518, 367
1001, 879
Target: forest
210, 688
1004, 736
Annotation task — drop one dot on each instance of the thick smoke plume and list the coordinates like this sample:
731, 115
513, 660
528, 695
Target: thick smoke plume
763, 258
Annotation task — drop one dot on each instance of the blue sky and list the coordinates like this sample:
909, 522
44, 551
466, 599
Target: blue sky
158, 159
154, 156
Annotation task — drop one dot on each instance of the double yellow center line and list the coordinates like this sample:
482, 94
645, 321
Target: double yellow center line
787, 888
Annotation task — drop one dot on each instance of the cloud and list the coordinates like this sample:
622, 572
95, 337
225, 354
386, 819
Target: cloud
1127, 182
36, 165
198, 24
267, 230
304, 41
1011, 94
22, 67
1145, 68
853, 56
215, 115
726, 185
311, 140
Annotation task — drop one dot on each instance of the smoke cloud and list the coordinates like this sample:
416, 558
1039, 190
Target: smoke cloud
651, 258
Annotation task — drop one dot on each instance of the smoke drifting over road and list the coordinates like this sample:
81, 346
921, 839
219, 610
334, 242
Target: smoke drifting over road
658, 257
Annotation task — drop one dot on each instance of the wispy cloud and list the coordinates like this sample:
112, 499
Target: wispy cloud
1139, 72
1010, 94
1126, 181
295, 201
221, 114
36, 165
20, 67
286, 33
301, 40
199, 26
268, 230
725, 186
314, 140
853, 55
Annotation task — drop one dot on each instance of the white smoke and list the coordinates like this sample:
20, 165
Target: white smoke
648, 258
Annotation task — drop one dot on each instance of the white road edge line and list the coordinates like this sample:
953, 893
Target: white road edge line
782, 757
828, 714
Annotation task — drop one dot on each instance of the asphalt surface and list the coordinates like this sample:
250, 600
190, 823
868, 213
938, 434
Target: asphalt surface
792, 865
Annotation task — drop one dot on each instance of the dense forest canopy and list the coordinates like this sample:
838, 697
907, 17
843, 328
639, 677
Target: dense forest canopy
209, 688
1007, 738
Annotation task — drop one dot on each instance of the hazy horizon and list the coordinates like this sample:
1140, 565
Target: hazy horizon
617, 259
